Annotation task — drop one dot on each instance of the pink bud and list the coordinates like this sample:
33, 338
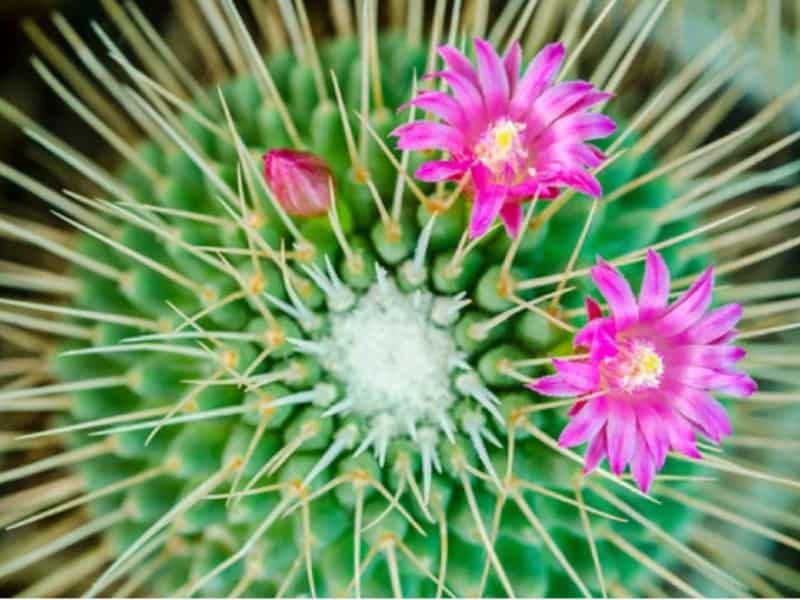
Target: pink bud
299, 181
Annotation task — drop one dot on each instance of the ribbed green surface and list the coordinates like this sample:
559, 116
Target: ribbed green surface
209, 530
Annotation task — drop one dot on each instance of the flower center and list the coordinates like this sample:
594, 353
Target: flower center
394, 362
637, 366
500, 147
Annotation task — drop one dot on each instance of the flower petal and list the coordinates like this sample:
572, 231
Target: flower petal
554, 385
488, 202
643, 466
596, 452
715, 324
538, 75
442, 105
593, 310
620, 434
585, 424
617, 292
427, 135
654, 293
492, 75
689, 308
582, 375
511, 215
459, 64
714, 356
511, 62
441, 170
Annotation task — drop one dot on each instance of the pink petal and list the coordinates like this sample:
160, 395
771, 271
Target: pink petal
492, 75
736, 384
427, 135
584, 126
589, 100
511, 62
511, 215
441, 170
713, 356
470, 99
652, 430
580, 375
442, 105
689, 308
582, 181
585, 336
654, 294
537, 77
643, 466
603, 345
299, 181
596, 452
593, 310
558, 99
620, 434
703, 410
715, 324
586, 424
458, 63
554, 385
488, 202
681, 436
617, 292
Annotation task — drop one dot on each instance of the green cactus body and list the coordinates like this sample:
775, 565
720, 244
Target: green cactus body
377, 372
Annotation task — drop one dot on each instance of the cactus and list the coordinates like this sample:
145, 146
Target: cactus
259, 403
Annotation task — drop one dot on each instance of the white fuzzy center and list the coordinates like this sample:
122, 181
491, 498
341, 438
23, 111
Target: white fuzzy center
394, 362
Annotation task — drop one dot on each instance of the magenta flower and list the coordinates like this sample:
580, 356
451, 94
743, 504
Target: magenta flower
299, 181
517, 137
643, 389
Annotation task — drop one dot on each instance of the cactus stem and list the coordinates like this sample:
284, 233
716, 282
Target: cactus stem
102, 317
394, 574
392, 159
172, 514
399, 184
203, 415
723, 579
364, 59
355, 160
488, 547
392, 504
36, 238
73, 536
121, 418
361, 568
96, 383
639, 255
553, 444
508, 259
573, 258
649, 563
319, 493
587, 529
66, 330
549, 542
242, 552
715, 182
113, 488
500, 502
28, 279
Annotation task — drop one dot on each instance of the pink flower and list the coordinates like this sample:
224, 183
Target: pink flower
517, 137
299, 181
644, 388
